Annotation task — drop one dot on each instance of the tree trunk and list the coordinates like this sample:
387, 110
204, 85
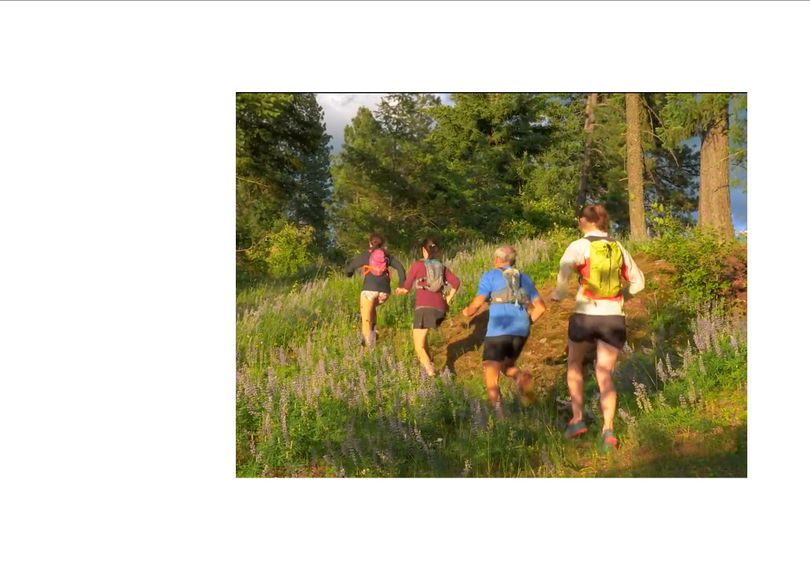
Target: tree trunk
585, 171
635, 169
714, 206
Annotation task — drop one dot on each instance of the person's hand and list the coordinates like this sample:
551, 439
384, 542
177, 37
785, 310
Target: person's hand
466, 312
400, 291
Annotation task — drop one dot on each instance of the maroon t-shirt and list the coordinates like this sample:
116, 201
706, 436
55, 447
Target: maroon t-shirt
425, 297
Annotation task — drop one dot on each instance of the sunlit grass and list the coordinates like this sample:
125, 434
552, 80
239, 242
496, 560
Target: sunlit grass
312, 401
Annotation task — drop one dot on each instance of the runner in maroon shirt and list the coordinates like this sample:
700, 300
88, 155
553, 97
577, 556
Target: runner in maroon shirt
431, 307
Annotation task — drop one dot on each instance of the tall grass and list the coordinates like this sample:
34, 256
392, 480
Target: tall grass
311, 401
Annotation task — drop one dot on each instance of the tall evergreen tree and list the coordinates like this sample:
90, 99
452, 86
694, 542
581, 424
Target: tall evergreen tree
384, 175
585, 169
706, 116
635, 167
282, 165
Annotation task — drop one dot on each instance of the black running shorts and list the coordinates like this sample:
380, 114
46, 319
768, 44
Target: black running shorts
427, 317
590, 328
499, 348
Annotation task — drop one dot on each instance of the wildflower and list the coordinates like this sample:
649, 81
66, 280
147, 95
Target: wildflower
692, 393
671, 371
659, 370
283, 402
626, 417
734, 344
467, 468
642, 400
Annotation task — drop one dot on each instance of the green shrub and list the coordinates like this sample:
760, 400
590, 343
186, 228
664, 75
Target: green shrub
284, 251
701, 262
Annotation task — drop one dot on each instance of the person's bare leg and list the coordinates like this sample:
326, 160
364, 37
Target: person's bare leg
576, 354
523, 378
367, 317
374, 304
420, 345
508, 367
606, 357
492, 372
380, 299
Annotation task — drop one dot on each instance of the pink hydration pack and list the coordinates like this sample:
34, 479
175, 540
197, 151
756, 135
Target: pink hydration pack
377, 263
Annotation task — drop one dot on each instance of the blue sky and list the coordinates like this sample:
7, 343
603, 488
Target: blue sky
339, 109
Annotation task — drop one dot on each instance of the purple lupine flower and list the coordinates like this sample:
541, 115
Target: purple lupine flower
671, 371
626, 417
298, 387
267, 425
283, 403
692, 394
701, 366
687, 357
418, 435
361, 385
659, 370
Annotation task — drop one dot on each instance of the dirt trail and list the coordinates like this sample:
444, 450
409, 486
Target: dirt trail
546, 349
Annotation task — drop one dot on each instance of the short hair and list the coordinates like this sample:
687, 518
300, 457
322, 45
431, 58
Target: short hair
595, 214
506, 253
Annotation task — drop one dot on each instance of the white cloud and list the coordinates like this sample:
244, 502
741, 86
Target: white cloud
339, 109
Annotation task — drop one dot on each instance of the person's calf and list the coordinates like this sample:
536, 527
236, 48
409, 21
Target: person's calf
494, 395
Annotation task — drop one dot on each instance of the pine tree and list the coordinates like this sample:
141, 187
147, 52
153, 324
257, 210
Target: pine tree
585, 169
282, 165
635, 168
707, 117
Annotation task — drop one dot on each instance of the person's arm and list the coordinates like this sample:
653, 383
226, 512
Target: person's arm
537, 307
405, 287
632, 274
392, 262
484, 291
355, 264
454, 283
474, 306
570, 259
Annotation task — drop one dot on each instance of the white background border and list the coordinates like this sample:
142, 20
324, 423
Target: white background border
116, 174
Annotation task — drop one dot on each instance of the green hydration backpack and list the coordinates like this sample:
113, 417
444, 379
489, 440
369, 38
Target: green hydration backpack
513, 293
604, 277
434, 280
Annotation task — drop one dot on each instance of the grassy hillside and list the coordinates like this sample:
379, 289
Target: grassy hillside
310, 401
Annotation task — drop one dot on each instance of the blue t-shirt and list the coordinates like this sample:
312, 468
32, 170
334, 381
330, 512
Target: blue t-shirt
506, 319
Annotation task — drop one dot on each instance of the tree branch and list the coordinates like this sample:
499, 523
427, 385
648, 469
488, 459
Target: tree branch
254, 182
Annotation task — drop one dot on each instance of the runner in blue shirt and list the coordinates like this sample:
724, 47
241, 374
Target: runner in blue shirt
514, 305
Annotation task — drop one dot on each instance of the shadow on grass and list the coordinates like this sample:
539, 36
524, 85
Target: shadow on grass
721, 454
475, 337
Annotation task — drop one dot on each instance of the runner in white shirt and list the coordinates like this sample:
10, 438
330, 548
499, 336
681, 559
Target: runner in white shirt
602, 264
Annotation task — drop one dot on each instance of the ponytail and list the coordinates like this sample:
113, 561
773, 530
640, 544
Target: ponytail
595, 214
376, 240
431, 247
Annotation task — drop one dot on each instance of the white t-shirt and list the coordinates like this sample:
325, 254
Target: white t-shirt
574, 259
